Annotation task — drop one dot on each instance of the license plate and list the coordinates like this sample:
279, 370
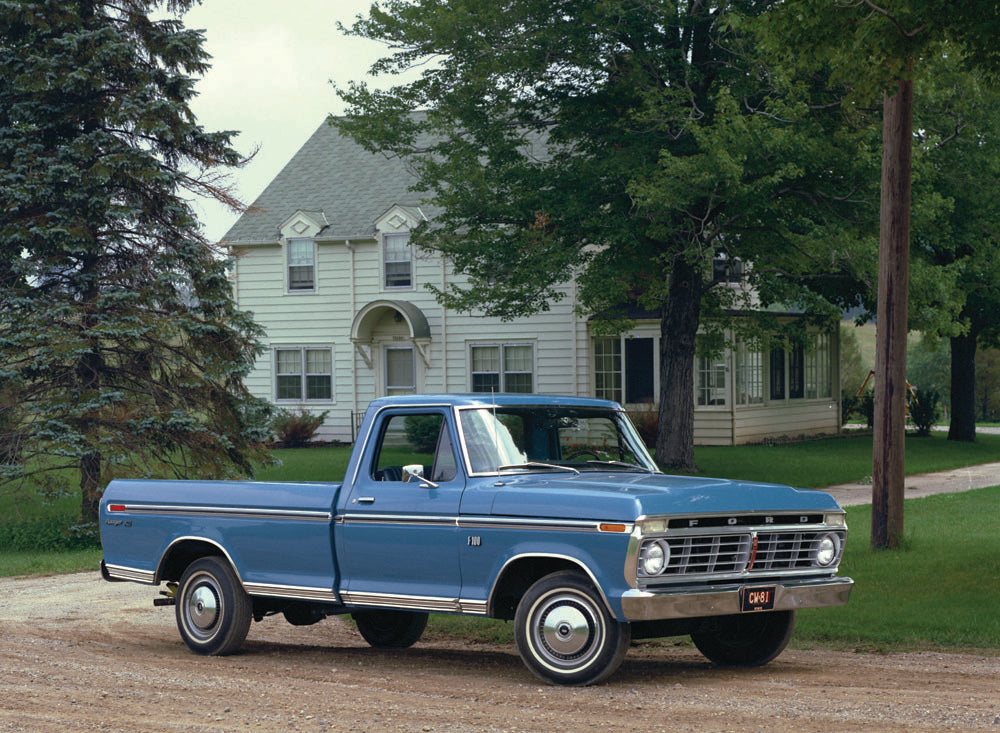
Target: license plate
757, 599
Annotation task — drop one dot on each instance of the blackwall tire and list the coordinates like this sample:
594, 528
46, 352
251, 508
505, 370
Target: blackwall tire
746, 640
213, 610
565, 634
390, 629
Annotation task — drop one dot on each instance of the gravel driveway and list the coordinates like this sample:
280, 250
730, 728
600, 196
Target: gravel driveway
77, 653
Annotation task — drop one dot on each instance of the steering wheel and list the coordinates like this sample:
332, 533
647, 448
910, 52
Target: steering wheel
583, 452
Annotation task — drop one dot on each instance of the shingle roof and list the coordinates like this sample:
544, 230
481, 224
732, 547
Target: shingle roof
334, 175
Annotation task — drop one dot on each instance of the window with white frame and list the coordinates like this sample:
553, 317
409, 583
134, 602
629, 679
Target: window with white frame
608, 368
819, 367
397, 261
749, 375
301, 256
710, 381
502, 368
304, 373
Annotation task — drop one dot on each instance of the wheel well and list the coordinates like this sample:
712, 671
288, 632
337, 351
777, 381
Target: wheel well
182, 554
518, 576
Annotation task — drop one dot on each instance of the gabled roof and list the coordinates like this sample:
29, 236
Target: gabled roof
334, 176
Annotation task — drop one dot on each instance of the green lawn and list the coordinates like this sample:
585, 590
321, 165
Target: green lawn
816, 464
810, 464
941, 590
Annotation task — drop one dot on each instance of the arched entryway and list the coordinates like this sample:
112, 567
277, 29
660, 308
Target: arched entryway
393, 339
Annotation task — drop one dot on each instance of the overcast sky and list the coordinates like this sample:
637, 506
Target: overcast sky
270, 79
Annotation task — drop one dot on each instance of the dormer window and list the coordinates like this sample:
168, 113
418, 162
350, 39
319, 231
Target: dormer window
301, 264
397, 260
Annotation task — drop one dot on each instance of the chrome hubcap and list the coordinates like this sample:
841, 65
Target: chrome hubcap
565, 630
203, 608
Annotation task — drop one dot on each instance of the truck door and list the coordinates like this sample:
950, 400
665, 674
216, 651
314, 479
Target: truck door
398, 542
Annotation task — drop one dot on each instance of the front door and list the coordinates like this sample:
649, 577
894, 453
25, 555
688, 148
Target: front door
398, 542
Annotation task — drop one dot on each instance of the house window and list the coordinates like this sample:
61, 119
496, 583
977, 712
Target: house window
710, 381
777, 370
397, 260
796, 373
749, 375
400, 370
301, 264
818, 367
608, 368
304, 374
502, 368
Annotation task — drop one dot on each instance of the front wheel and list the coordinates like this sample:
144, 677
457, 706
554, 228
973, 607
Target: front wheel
390, 629
213, 611
565, 634
746, 640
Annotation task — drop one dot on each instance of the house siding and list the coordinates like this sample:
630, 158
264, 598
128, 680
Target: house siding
345, 198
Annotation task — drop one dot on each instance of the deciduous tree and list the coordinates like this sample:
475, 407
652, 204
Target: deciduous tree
623, 144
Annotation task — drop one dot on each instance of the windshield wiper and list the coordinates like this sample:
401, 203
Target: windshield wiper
622, 464
536, 464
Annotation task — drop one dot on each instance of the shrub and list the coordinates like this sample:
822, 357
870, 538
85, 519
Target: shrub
50, 534
647, 424
849, 402
924, 410
866, 406
295, 429
422, 431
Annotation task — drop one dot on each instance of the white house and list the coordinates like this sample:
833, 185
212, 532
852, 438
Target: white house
323, 260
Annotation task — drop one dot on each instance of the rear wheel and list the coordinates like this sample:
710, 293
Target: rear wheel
565, 634
213, 611
390, 629
745, 640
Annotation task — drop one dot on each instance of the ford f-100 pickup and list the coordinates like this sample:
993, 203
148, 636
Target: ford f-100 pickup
547, 511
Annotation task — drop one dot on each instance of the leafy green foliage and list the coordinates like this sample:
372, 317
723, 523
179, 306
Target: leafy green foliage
121, 350
622, 146
422, 432
925, 409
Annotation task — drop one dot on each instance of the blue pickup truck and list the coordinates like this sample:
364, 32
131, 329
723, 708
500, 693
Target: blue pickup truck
547, 511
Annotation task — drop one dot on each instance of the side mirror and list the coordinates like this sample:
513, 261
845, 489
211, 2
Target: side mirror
415, 472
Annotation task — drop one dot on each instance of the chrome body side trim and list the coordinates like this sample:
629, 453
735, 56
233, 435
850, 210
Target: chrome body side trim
120, 572
189, 538
724, 600
227, 512
555, 556
415, 603
298, 592
484, 522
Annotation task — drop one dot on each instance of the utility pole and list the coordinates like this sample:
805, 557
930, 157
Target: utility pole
888, 455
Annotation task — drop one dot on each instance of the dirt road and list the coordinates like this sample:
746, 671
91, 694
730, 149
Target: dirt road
77, 653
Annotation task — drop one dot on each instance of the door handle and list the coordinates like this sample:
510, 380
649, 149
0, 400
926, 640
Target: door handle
366, 499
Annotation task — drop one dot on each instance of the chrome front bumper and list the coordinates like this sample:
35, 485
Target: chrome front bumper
640, 605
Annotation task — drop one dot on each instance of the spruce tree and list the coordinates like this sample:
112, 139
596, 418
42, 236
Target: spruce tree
122, 352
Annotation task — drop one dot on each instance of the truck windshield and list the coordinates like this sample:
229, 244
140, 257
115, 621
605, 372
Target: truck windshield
521, 438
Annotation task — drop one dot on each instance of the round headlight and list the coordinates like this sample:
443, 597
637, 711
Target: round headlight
827, 549
655, 556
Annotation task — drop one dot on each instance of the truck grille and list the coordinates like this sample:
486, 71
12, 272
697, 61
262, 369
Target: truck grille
785, 550
727, 554
708, 554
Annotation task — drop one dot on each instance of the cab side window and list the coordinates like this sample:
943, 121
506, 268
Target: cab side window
415, 439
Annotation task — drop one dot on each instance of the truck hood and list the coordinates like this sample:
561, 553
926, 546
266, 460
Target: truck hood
627, 496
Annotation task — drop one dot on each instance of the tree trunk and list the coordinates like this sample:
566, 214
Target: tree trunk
963, 388
678, 330
888, 469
